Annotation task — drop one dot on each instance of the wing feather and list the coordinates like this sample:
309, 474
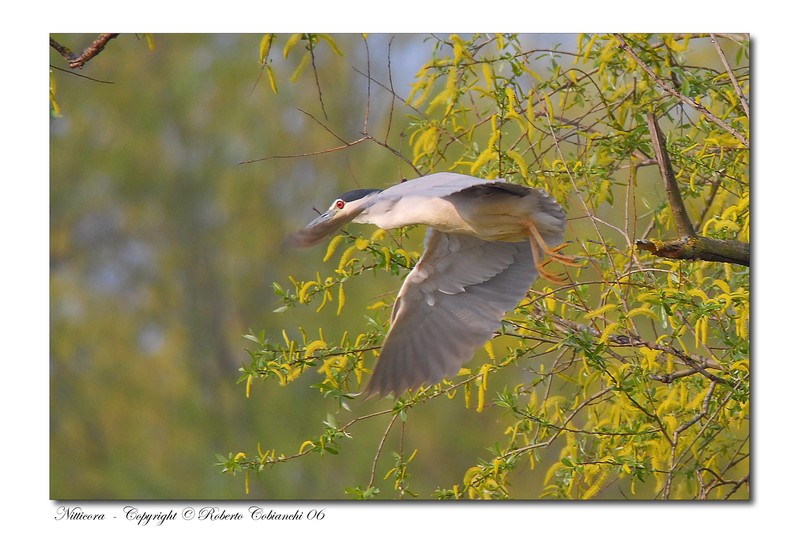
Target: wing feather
450, 304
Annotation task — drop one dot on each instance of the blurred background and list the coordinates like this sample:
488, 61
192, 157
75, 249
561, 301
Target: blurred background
164, 248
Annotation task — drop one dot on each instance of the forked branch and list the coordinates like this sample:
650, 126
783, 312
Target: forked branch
689, 245
77, 61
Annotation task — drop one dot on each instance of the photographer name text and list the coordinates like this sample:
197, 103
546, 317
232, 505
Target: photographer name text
143, 517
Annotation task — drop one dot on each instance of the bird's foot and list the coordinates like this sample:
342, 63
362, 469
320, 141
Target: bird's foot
568, 260
540, 246
557, 279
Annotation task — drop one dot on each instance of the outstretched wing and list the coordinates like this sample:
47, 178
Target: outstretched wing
450, 304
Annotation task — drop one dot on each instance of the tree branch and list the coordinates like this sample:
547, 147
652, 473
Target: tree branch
347, 144
72, 73
699, 247
689, 245
316, 75
65, 52
681, 220
92, 50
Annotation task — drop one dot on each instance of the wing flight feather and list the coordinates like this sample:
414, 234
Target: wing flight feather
450, 304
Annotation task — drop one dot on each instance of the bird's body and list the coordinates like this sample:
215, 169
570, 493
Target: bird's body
455, 203
483, 250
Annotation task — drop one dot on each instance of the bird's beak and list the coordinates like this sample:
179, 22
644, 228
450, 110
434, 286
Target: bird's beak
319, 228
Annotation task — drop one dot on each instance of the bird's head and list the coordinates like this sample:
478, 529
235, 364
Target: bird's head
343, 210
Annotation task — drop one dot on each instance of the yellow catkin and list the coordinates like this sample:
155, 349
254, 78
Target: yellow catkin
488, 75
345, 257
596, 486
520, 162
387, 255
484, 370
315, 345
406, 255
340, 299
331, 248
303, 295
600, 311
490, 350
481, 397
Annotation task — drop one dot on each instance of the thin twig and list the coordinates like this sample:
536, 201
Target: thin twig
380, 449
696, 362
564, 424
368, 87
393, 93
670, 378
73, 73
738, 91
331, 132
714, 189
391, 88
737, 485
675, 439
306, 154
316, 76
395, 152
669, 89
689, 448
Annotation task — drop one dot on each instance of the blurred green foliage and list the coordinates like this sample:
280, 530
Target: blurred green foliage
165, 251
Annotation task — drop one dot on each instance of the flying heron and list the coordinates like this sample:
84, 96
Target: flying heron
486, 243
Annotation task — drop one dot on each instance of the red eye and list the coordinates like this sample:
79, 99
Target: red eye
339, 204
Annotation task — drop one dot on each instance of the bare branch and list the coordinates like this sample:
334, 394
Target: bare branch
65, 52
316, 76
670, 378
380, 449
92, 50
696, 362
368, 87
395, 152
73, 73
391, 88
714, 189
689, 245
331, 132
699, 247
307, 154
681, 220
675, 439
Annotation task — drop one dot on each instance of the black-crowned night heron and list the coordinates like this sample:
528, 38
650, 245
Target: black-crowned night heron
486, 243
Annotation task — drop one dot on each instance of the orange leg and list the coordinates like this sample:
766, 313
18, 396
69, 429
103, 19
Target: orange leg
538, 244
540, 266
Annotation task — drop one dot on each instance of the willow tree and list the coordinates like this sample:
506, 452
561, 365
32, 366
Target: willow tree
631, 380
